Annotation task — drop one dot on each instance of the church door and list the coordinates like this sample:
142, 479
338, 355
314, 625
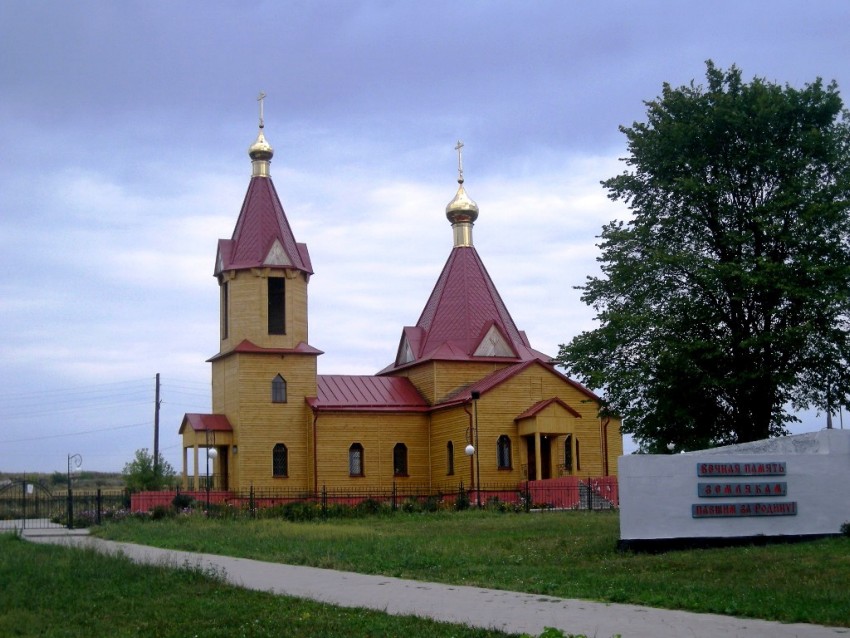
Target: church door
545, 458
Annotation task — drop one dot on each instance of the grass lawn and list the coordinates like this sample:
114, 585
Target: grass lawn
568, 554
51, 591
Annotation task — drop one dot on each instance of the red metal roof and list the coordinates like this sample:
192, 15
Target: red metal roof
367, 393
247, 346
537, 407
206, 422
463, 395
261, 222
463, 306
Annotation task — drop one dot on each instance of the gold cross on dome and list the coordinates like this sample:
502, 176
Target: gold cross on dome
260, 99
459, 149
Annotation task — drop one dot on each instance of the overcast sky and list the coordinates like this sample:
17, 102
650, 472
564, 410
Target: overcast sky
124, 129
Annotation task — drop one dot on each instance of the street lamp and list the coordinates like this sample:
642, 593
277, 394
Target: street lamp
470, 448
77, 461
212, 453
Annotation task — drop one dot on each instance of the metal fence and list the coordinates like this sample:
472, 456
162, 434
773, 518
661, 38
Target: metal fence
33, 505
26, 504
561, 494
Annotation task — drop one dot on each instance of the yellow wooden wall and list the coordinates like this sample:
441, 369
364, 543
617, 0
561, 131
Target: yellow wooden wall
242, 391
450, 425
378, 433
435, 380
248, 308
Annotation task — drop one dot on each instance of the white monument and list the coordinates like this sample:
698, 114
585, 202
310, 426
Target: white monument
793, 486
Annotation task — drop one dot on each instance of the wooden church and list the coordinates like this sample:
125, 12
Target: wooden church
465, 391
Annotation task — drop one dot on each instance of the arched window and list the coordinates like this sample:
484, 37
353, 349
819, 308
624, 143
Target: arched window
400, 460
450, 458
278, 389
503, 452
355, 460
280, 460
568, 454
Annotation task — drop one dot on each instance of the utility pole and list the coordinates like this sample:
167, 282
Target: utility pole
156, 429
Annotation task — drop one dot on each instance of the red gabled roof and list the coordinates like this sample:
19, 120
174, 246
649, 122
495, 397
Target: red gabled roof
367, 394
261, 223
539, 406
206, 423
463, 306
463, 395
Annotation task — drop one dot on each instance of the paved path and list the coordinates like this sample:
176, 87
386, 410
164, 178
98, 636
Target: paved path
490, 608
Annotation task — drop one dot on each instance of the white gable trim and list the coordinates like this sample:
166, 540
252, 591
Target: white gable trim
277, 256
494, 345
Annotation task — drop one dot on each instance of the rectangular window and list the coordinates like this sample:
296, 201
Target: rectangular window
277, 305
224, 311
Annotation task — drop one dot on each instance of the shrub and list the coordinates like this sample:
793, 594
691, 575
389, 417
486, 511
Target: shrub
845, 528
160, 512
411, 505
462, 500
370, 506
182, 501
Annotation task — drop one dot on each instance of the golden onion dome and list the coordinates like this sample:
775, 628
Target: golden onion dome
462, 208
261, 149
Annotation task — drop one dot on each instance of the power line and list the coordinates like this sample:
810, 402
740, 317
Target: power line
80, 433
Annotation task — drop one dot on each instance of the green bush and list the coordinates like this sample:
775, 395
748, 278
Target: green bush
371, 506
462, 500
160, 512
182, 501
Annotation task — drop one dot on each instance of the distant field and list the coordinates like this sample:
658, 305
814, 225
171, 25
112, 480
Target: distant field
568, 554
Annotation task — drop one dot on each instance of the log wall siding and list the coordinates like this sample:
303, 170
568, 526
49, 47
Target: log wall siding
248, 308
242, 391
450, 376
449, 425
423, 379
378, 433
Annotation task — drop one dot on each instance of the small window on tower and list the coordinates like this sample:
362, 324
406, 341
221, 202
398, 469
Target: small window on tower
224, 310
277, 305
278, 389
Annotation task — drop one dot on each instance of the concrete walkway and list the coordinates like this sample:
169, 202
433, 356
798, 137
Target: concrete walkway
489, 608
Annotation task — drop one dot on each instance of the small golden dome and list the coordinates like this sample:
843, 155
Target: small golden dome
462, 208
261, 149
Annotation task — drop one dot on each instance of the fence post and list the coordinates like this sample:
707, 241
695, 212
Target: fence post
98, 505
251, 505
70, 507
395, 505
324, 501
528, 496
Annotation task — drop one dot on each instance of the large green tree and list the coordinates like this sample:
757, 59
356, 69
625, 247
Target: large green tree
724, 298
140, 475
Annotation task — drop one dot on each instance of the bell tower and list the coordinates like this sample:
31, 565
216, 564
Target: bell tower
265, 368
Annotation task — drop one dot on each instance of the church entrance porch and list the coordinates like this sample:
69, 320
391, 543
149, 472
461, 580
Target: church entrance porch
539, 466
